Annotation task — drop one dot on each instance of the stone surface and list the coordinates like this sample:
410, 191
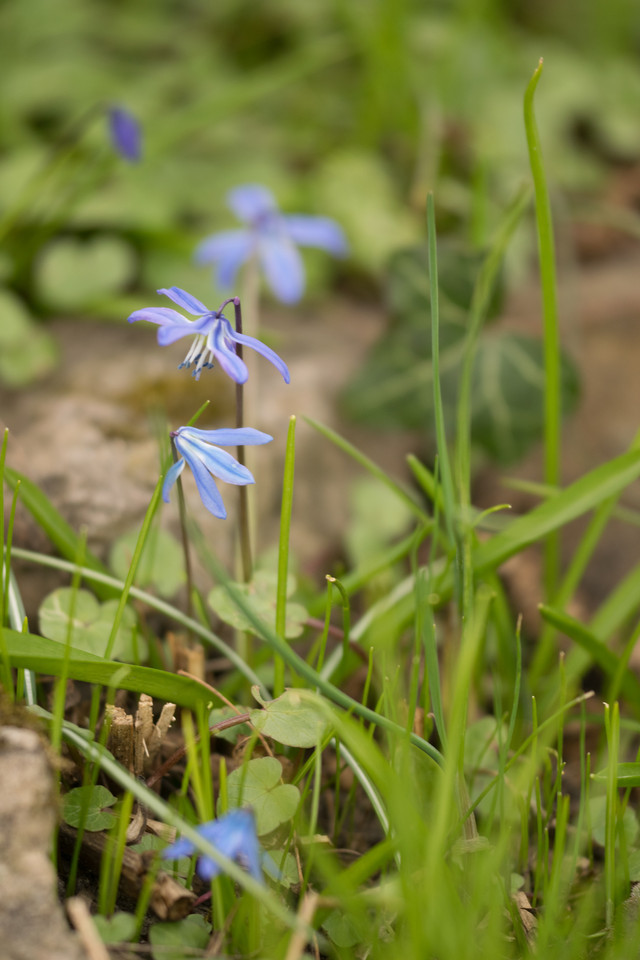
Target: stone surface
32, 924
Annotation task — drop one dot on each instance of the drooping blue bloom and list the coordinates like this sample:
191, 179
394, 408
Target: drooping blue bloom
125, 134
234, 835
197, 448
215, 338
273, 238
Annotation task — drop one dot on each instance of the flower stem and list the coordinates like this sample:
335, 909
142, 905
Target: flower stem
182, 509
244, 520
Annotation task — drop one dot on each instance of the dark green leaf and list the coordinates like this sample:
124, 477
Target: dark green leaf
87, 806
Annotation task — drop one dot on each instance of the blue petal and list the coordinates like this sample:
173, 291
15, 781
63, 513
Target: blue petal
217, 461
171, 476
226, 355
170, 334
185, 300
228, 436
264, 351
181, 848
207, 869
160, 315
282, 265
251, 201
209, 493
228, 251
125, 134
319, 232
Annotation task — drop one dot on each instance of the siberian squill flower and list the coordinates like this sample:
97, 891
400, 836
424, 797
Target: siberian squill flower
207, 461
234, 835
215, 338
272, 237
125, 134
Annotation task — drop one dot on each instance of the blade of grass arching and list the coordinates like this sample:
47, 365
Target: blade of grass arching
584, 494
358, 578
283, 551
265, 632
99, 755
27, 650
573, 501
620, 604
133, 567
579, 561
155, 603
462, 456
446, 479
552, 393
601, 656
61, 535
404, 495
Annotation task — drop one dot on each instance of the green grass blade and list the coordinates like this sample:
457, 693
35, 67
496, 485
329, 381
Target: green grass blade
599, 654
462, 458
552, 393
368, 464
446, 477
205, 634
133, 567
585, 494
32, 652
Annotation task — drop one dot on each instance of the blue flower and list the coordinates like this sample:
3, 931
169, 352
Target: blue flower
196, 447
270, 236
215, 338
234, 835
125, 134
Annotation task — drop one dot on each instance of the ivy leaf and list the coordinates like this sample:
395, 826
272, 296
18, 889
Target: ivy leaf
508, 388
91, 625
161, 565
257, 784
262, 594
87, 805
394, 388
294, 718
171, 938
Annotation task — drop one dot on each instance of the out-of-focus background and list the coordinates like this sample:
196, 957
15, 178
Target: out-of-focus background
352, 109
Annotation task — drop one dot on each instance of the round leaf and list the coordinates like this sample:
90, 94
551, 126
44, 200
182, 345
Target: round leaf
294, 718
257, 784
74, 273
91, 625
161, 564
87, 805
172, 938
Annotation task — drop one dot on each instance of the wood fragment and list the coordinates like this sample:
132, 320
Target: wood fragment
120, 741
169, 899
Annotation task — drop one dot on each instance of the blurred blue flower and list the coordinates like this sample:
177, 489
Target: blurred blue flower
234, 835
215, 338
125, 134
197, 448
272, 237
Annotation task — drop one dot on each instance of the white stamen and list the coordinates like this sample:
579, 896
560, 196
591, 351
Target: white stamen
194, 352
